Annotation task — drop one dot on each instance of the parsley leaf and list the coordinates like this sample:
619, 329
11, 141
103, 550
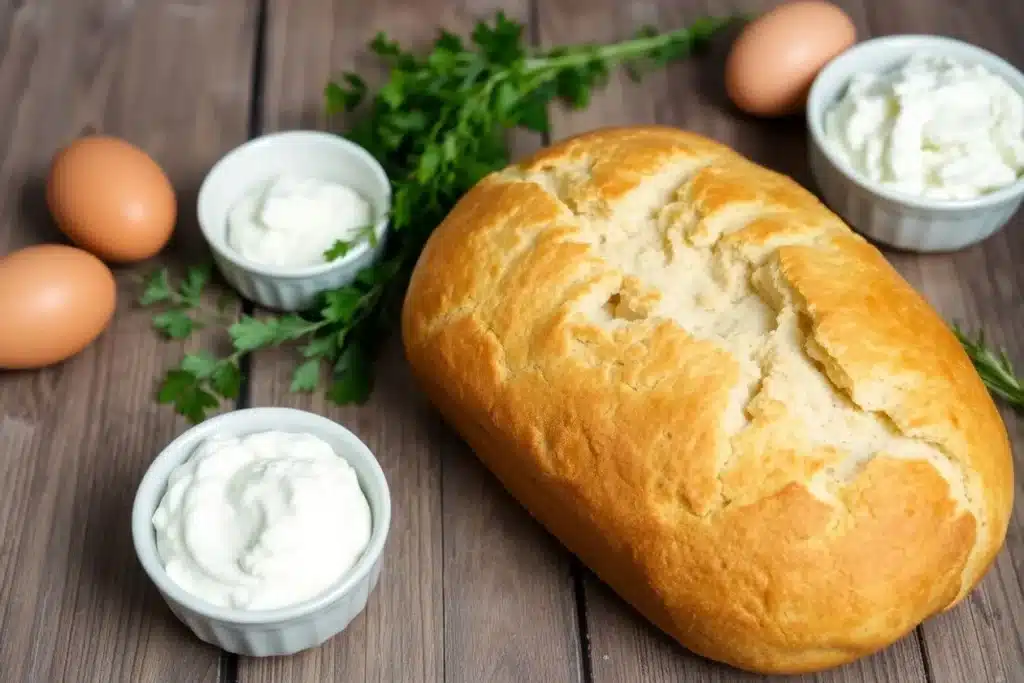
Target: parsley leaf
353, 379
306, 376
202, 365
196, 278
226, 379
189, 398
158, 288
320, 347
175, 323
341, 248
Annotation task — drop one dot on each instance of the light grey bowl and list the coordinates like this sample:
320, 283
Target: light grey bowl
889, 217
322, 155
280, 631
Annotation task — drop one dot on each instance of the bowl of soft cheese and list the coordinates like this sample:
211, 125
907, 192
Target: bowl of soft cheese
918, 141
263, 529
292, 214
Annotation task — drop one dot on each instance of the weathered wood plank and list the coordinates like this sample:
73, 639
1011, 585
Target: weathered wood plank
981, 639
75, 438
974, 288
472, 589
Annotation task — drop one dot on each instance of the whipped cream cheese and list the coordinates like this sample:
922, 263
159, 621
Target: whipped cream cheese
293, 220
935, 127
262, 521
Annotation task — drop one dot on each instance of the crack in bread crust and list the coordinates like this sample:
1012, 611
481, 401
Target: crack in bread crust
703, 383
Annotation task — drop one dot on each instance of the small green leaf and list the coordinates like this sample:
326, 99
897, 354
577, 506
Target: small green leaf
194, 404
429, 162
339, 249
320, 347
158, 288
334, 98
505, 98
196, 278
175, 323
227, 379
341, 304
201, 364
249, 334
369, 233
306, 376
448, 42
290, 327
393, 92
176, 383
383, 46
573, 88
353, 378
184, 390
533, 115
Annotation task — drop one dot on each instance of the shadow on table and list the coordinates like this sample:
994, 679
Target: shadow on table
122, 590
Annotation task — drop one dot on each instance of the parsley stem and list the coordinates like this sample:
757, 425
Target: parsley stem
628, 49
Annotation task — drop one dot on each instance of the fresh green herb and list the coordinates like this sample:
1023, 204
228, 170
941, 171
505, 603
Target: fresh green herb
177, 321
437, 126
341, 248
994, 368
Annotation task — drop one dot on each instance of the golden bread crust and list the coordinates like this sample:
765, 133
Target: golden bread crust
725, 402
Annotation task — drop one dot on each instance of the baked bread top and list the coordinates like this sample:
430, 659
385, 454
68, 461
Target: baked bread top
728, 404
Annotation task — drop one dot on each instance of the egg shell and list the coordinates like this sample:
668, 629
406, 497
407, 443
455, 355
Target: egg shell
776, 57
54, 301
110, 198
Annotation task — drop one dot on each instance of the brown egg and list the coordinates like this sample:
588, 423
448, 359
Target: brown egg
109, 197
774, 60
54, 301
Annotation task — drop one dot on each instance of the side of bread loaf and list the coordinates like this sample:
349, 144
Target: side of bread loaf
725, 402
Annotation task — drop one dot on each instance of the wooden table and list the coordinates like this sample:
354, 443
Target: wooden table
473, 591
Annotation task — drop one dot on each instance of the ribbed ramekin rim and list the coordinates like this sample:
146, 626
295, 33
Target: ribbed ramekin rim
153, 486
817, 105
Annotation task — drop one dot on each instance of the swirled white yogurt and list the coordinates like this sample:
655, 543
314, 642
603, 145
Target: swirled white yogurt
262, 521
293, 220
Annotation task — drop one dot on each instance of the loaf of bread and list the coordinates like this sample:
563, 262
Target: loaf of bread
707, 387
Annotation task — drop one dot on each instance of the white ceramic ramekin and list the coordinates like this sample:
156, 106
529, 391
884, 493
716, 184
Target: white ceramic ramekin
322, 155
896, 219
280, 631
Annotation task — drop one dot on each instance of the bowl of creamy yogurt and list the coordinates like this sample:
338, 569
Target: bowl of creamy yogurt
917, 141
263, 529
292, 214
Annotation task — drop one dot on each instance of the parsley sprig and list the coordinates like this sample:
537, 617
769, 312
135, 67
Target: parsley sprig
182, 304
341, 248
994, 368
437, 126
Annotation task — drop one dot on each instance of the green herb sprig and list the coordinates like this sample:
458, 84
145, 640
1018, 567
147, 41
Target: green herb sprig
341, 248
994, 368
181, 304
437, 126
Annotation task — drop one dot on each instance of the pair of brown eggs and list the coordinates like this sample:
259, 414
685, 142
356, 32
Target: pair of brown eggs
117, 206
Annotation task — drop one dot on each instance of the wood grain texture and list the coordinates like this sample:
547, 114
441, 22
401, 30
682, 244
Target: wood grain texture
472, 589
971, 643
75, 438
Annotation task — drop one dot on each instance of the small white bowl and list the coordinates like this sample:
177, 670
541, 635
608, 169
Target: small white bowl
322, 155
279, 631
890, 217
